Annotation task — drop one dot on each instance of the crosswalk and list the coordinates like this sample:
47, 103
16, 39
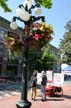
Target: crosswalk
5, 94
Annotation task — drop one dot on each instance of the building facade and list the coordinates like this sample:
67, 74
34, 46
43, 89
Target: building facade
7, 68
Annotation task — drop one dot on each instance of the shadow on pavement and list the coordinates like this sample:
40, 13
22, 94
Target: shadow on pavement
55, 99
67, 96
51, 99
11, 86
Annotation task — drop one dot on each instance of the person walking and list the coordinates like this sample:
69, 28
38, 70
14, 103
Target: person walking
43, 85
34, 86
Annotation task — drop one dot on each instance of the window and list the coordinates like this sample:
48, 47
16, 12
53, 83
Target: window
1, 34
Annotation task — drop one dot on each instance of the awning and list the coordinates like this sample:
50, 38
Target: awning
67, 70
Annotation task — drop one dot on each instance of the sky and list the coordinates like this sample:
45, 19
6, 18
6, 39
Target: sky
58, 16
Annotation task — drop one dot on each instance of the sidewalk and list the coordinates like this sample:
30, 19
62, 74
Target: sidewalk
51, 102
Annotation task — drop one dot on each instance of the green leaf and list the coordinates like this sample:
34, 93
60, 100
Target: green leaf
5, 6
45, 3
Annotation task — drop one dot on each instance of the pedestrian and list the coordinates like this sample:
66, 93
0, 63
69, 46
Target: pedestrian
43, 86
34, 86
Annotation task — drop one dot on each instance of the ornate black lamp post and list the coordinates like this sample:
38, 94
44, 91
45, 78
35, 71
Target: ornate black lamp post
24, 15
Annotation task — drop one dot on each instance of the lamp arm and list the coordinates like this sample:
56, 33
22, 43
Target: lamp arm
31, 20
21, 6
38, 18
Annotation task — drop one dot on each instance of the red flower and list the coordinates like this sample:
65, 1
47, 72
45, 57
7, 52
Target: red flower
36, 36
30, 34
43, 34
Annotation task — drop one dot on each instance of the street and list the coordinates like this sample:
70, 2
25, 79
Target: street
10, 95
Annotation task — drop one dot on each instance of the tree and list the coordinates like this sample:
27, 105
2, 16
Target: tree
4, 5
65, 44
47, 59
42, 60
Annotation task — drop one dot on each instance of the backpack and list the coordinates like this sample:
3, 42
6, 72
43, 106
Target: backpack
34, 82
44, 80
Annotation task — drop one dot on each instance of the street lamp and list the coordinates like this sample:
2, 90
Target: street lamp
24, 15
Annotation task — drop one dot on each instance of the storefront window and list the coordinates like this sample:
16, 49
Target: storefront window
2, 32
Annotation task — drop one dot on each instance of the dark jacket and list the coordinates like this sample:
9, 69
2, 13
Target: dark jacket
44, 80
34, 82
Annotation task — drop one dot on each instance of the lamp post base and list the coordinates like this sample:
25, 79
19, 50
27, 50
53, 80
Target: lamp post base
23, 104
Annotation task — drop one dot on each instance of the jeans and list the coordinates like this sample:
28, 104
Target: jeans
43, 92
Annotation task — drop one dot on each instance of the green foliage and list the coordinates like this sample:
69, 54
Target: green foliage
48, 59
65, 44
4, 5
45, 3
42, 60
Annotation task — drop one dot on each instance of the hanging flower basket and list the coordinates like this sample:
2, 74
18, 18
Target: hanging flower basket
39, 34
